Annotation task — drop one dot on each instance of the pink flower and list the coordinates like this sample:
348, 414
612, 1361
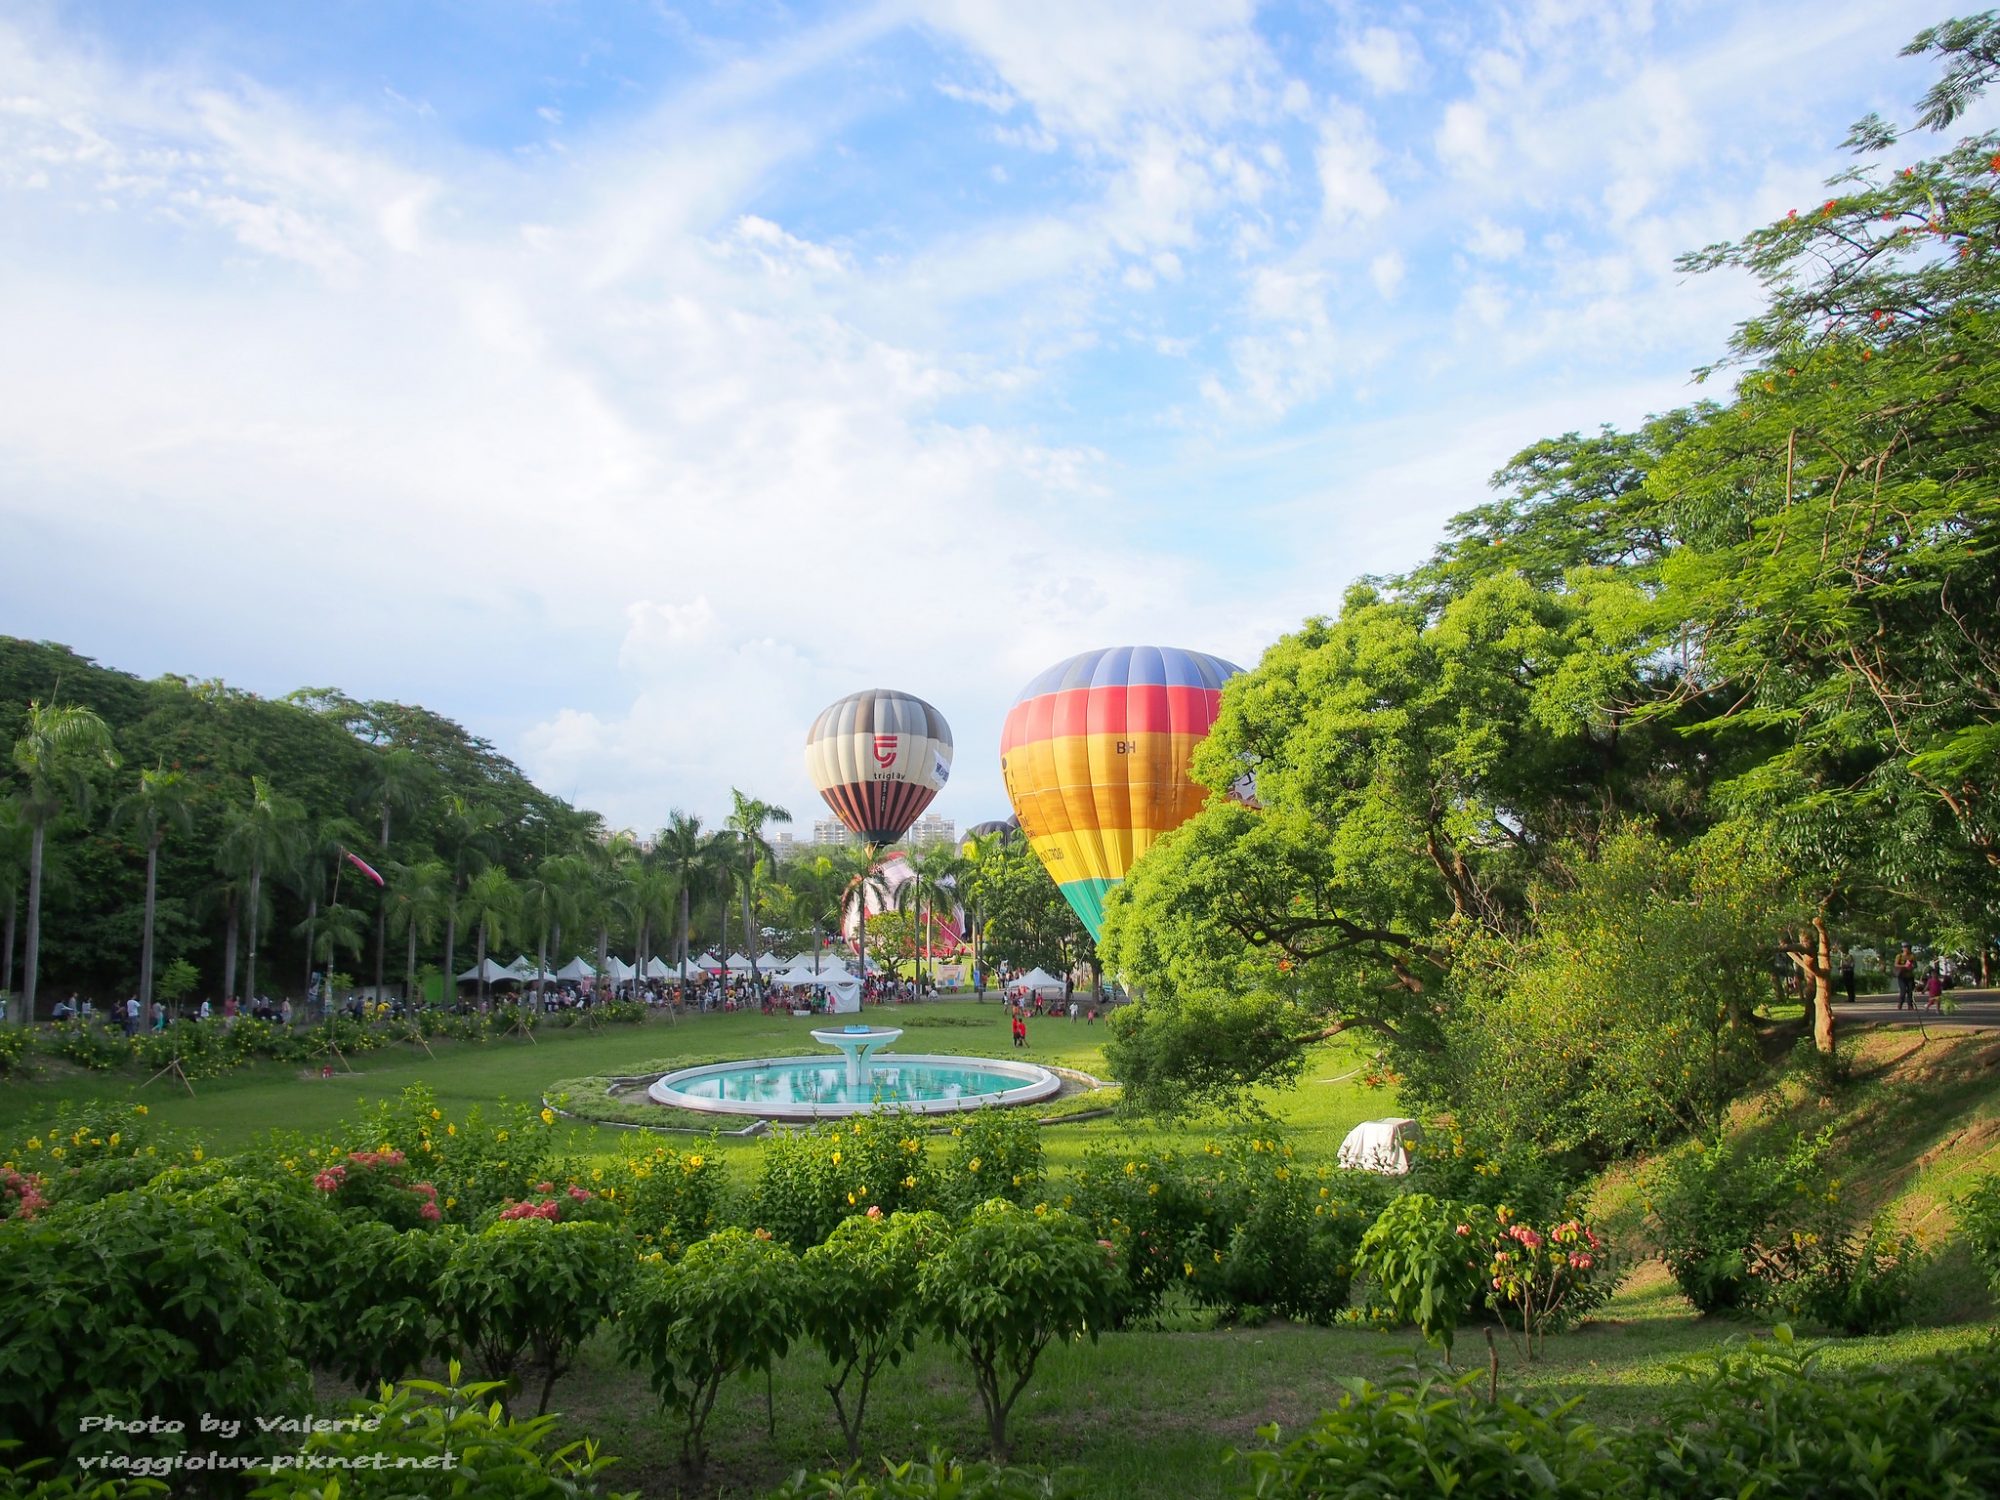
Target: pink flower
874, 1211
580, 1194
430, 1212
1465, 1229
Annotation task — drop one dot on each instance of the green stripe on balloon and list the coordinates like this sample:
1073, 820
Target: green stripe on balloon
1086, 899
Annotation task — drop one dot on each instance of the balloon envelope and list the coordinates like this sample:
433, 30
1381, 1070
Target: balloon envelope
878, 758
1095, 755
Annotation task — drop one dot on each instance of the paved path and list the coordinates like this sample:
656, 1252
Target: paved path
1977, 1010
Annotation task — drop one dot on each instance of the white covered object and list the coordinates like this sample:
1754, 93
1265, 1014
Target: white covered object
658, 968
843, 990
1380, 1146
706, 962
620, 971
1041, 981
737, 964
576, 969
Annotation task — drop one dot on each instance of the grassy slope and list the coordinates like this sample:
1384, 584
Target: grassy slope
1144, 1413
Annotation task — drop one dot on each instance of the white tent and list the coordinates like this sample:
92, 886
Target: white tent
576, 968
737, 964
842, 989
492, 973
619, 970
705, 963
1380, 1146
1040, 981
658, 968
522, 968
802, 961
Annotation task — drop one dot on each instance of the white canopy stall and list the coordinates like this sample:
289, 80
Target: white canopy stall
491, 972
842, 990
1036, 981
737, 964
576, 970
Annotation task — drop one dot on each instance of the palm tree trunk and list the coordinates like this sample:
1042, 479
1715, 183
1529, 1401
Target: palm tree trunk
7, 958
235, 904
480, 970
684, 940
312, 919
410, 968
541, 962
451, 951
603, 958
749, 931
33, 957
146, 938
382, 908
250, 960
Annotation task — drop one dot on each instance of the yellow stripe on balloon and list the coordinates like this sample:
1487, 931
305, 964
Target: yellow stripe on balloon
1101, 854
1081, 783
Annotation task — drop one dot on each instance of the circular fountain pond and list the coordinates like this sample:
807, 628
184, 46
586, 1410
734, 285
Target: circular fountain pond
862, 1080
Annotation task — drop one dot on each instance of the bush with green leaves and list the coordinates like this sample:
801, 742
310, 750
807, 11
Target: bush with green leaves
95, 1047
1710, 1206
1295, 1250
1825, 1269
1168, 1216
728, 1305
1007, 1284
15, 1042
995, 1153
92, 1150
41, 1479
531, 1287
437, 1440
476, 1163
935, 1478
380, 1311
1428, 1259
812, 1179
379, 1185
133, 1304
858, 1303
1544, 1280
1979, 1222
1535, 1184
671, 1198
1422, 1435
1770, 1419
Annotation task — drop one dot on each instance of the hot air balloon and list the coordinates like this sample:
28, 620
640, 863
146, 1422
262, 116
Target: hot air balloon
1009, 829
879, 757
1095, 755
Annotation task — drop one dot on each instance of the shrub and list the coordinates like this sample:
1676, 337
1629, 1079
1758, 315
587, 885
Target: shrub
1769, 1420
98, 1048
134, 1305
14, 1044
812, 1179
1712, 1206
91, 1151
1010, 1281
377, 1185
1537, 1185
995, 1153
20, 1194
1979, 1222
380, 1311
36, 1480
858, 1303
672, 1198
531, 1286
1419, 1435
437, 1441
724, 1306
476, 1163
1169, 1218
1294, 1251
1429, 1259
1546, 1280
938, 1478
1857, 1279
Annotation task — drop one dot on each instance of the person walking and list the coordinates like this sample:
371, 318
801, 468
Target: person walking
1847, 974
1906, 979
1020, 1030
1933, 989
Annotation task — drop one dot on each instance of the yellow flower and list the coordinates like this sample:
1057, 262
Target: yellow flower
1187, 1266
500, 1135
597, 1174
836, 1158
437, 1114
548, 1116
1131, 1167
56, 1151
451, 1203
1152, 1189
197, 1153
695, 1161
451, 1130
909, 1182
114, 1137
975, 1163
34, 1143
1017, 1179
140, 1108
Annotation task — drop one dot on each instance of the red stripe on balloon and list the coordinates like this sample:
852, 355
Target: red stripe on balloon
1118, 709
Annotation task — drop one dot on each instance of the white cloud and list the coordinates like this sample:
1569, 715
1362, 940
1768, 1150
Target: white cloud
1463, 139
1387, 60
1386, 271
1490, 241
1348, 155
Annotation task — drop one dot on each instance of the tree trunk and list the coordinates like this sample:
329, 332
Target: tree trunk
603, 962
684, 942
7, 957
146, 938
250, 959
451, 951
382, 909
229, 942
410, 968
1815, 957
479, 967
32, 959
749, 929
312, 921
541, 962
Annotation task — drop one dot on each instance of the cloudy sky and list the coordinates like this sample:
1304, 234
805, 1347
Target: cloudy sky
628, 380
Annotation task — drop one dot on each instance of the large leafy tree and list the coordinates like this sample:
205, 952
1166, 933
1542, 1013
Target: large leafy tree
266, 835
748, 818
1028, 923
493, 906
398, 781
59, 745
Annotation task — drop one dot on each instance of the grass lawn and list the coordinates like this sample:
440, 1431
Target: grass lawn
1147, 1413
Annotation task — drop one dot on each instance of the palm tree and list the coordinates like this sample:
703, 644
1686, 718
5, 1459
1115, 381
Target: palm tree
494, 906
933, 882
337, 930
607, 881
682, 850
161, 801
419, 899
396, 783
58, 745
471, 834
747, 820
980, 850
324, 846
815, 891
552, 898
646, 897
862, 877
268, 836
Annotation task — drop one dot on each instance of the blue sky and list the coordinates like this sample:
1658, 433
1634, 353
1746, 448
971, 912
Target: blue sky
629, 380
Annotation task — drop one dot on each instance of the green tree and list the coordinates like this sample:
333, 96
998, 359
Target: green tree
493, 906
419, 901
684, 851
161, 803
266, 836
58, 746
469, 835
398, 781
1027, 922
15, 838
932, 888
748, 819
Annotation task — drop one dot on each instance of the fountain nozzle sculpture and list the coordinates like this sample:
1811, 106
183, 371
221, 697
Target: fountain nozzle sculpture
858, 1043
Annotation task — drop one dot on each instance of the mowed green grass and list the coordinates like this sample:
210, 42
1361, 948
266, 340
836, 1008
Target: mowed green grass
242, 1107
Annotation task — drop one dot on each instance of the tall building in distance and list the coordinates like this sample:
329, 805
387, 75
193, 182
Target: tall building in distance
931, 829
830, 831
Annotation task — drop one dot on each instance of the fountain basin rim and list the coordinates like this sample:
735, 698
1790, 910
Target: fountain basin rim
1037, 1084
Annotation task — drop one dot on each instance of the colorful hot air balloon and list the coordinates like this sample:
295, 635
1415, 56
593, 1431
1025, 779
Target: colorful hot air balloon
879, 757
1095, 755
1009, 829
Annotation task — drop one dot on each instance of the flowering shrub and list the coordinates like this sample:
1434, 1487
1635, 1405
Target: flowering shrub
476, 1163
812, 1179
14, 1043
671, 1198
1295, 1249
1979, 1222
376, 1185
379, 1309
1168, 1216
1546, 1280
995, 1153
1532, 1182
90, 1151
20, 1194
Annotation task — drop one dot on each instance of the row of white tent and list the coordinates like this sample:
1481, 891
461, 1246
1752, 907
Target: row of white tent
828, 974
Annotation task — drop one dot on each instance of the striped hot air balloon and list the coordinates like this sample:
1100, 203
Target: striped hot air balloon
879, 757
1095, 754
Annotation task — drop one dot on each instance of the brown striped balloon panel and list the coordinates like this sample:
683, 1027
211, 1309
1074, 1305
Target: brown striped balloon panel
878, 757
